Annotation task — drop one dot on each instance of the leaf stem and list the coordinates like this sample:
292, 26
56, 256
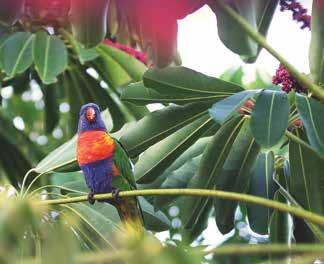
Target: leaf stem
307, 215
258, 38
299, 141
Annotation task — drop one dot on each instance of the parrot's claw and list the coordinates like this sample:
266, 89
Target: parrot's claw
90, 198
115, 194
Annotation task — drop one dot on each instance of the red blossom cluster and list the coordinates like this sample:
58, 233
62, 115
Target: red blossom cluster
135, 53
287, 82
299, 12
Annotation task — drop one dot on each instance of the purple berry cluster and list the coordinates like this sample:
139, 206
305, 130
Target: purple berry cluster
299, 12
287, 82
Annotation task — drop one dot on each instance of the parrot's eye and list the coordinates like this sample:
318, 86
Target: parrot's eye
91, 114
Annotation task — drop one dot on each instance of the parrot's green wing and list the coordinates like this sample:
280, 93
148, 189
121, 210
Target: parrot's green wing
129, 208
124, 165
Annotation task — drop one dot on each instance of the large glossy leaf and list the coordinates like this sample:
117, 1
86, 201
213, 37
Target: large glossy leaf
257, 13
210, 167
99, 223
190, 234
158, 125
235, 176
225, 109
133, 67
184, 82
307, 177
317, 41
193, 152
153, 162
311, 113
269, 118
234, 75
50, 56
111, 72
262, 185
16, 53
137, 93
178, 178
89, 21
155, 221
83, 54
280, 222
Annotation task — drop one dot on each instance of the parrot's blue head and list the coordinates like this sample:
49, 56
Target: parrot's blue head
90, 118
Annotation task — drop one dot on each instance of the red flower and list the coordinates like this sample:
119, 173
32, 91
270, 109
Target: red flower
287, 82
135, 53
299, 12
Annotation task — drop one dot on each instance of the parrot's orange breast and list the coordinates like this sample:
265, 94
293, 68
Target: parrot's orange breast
93, 146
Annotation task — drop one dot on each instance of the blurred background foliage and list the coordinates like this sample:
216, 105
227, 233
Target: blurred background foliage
211, 133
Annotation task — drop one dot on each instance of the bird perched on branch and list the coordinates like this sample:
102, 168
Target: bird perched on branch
106, 165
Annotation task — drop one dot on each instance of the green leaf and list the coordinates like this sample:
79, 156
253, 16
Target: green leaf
235, 176
201, 223
133, 67
269, 118
311, 113
210, 167
83, 54
280, 226
225, 109
99, 223
181, 82
306, 181
16, 53
50, 56
158, 125
257, 13
262, 185
155, 221
178, 178
234, 75
89, 21
110, 71
317, 41
280, 223
138, 94
153, 162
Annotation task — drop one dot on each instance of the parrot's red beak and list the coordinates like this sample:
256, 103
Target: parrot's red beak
91, 114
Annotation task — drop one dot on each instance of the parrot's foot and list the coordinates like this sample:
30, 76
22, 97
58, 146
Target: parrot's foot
115, 194
90, 198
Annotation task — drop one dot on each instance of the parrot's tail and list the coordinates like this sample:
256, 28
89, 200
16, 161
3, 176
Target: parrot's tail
131, 215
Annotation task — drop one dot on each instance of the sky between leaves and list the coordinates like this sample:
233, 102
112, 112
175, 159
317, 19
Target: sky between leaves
201, 49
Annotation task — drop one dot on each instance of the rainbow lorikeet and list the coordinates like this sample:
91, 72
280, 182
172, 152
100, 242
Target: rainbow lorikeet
106, 165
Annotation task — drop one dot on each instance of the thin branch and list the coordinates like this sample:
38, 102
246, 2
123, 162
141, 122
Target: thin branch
306, 215
299, 141
258, 38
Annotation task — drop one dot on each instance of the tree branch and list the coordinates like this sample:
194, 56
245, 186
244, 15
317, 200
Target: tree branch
306, 215
258, 38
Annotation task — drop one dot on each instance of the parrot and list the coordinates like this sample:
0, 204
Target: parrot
106, 166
